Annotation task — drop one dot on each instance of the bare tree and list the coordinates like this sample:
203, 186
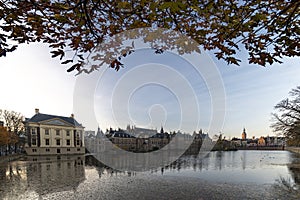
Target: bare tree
13, 121
286, 120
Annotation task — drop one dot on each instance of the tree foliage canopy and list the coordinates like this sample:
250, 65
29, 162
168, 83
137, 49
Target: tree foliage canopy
267, 29
287, 118
7, 138
4, 136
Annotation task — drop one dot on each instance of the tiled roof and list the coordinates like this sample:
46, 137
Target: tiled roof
160, 135
122, 134
43, 117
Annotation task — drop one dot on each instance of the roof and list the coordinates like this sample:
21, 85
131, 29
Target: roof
122, 134
39, 117
160, 135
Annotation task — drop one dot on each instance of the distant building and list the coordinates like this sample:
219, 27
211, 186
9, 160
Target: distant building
140, 132
53, 135
252, 142
271, 141
236, 141
89, 133
244, 134
124, 140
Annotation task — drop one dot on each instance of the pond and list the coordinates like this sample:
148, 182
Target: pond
220, 175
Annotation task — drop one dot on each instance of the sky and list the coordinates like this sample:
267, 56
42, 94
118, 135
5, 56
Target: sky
152, 90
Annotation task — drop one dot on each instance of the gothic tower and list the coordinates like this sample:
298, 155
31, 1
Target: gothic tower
244, 134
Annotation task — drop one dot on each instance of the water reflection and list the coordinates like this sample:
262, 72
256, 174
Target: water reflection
77, 176
289, 188
104, 170
294, 167
242, 167
260, 167
37, 176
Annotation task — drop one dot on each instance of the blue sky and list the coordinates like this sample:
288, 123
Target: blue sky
31, 79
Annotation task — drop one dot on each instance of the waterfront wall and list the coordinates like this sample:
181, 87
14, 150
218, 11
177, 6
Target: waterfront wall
9, 158
293, 149
54, 151
262, 148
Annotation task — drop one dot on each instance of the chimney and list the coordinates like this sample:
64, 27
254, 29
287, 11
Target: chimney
72, 115
37, 111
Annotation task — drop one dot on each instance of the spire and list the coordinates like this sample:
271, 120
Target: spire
244, 134
98, 134
161, 129
128, 127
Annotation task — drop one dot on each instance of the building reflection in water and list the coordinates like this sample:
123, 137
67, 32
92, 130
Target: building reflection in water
47, 175
41, 175
102, 169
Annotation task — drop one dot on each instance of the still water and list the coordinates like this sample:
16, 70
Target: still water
220, 175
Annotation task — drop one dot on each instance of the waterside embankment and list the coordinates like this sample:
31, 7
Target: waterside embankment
293, 149
9, 158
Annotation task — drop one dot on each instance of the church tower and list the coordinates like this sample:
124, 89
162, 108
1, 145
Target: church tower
244, 134
162, 130
99, 132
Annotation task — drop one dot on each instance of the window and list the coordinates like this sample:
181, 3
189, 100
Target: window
46, 131
33, 142
33, 150
68, 133
47, 150
68, 142
58, 151
58, 142
57, 132
47, 141
77, 142
68, 149
78, 149
33, 131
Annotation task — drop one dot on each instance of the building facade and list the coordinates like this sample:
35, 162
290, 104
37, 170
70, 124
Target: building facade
53, 135
124, 140
140, 132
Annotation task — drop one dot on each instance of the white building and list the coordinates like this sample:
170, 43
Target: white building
141, 132
53, 135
